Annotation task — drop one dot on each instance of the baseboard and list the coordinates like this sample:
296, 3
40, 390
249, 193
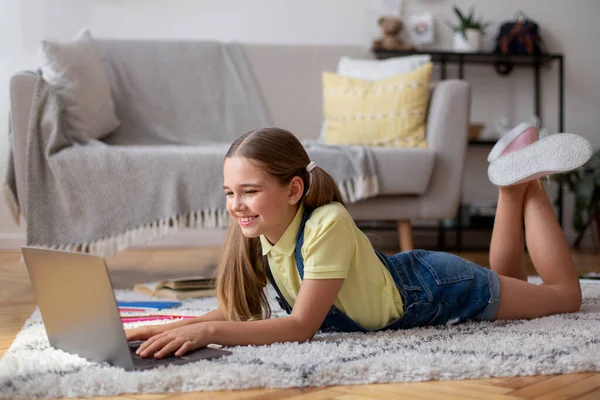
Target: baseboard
12, 241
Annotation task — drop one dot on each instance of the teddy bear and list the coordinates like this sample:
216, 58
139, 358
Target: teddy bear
389, 41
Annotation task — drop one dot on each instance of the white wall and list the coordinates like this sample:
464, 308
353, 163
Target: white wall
24, 22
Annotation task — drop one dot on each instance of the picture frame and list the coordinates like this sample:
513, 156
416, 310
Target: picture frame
420, 28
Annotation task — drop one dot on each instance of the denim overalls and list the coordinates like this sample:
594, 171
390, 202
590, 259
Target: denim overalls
436, 288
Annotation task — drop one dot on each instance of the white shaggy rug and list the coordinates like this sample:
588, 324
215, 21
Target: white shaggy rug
552, 345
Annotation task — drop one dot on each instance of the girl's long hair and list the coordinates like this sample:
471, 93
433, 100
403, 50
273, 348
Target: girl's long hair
241, 275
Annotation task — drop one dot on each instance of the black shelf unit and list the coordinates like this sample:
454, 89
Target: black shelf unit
477, 142
503, 65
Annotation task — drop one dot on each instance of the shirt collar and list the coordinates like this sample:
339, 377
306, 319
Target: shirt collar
287, 243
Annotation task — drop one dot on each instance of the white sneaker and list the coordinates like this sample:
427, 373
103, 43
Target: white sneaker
553, 154
505, 143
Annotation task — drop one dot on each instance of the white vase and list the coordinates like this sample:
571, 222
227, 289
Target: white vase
471, 44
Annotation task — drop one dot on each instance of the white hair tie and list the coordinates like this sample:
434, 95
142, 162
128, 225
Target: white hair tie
311, 165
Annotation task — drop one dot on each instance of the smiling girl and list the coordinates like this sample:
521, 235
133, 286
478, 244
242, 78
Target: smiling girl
290, 228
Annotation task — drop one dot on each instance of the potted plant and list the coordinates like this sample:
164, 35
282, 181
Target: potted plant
468, 32
584, 183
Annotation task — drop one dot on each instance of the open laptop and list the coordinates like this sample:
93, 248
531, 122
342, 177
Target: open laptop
80, 313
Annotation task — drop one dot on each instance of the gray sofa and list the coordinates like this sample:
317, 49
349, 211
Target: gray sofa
414, 183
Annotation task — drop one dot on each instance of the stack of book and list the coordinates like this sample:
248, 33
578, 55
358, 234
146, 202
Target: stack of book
179, 288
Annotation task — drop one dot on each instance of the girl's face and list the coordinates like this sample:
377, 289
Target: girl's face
256, 201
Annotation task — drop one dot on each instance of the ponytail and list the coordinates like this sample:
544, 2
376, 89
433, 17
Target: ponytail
320, 189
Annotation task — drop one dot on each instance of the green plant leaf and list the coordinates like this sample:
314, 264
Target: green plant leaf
584, 184
471, 16
578, 222
468, 21
460, 15
585, 190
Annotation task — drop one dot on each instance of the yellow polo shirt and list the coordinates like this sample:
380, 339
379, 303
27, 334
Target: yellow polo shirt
334, 247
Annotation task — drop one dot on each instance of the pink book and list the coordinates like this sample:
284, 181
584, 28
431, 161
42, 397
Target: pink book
155, 317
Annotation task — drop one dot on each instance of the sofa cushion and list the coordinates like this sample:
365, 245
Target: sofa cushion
372, 70
403, 171
75, 68
388, 112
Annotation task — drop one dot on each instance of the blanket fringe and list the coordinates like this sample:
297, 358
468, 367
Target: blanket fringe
352, 190
13, 205
359, 188
147, 233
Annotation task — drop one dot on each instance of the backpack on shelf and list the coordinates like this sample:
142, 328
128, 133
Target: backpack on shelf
520, 36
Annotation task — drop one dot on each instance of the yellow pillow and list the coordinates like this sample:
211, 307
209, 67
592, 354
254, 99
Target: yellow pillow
388, 112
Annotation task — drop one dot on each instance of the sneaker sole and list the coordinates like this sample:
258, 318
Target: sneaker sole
568, 152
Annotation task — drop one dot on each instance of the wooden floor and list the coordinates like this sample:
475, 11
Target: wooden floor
17, 303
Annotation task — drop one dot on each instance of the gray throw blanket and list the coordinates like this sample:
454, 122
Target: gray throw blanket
10, 181
102, 198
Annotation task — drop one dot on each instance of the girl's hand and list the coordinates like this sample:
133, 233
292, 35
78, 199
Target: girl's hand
145, 332
178, 340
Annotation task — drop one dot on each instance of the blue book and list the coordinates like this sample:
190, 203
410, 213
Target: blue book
159, 305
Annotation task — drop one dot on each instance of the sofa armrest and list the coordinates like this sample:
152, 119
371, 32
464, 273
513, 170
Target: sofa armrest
447, 127
22, 86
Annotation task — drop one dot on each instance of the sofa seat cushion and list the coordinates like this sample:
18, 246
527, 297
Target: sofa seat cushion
403, 171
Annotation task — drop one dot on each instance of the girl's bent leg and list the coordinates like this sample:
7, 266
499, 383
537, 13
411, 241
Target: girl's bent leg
507, 254
549, 251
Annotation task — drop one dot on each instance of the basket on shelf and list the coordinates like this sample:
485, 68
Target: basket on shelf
475, 130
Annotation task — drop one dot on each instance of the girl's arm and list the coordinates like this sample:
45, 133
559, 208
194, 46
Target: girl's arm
145, 332
314, 300
215, 315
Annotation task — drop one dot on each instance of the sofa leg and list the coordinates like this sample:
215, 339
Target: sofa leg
405, 235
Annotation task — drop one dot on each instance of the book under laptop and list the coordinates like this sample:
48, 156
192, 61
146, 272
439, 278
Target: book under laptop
76, 300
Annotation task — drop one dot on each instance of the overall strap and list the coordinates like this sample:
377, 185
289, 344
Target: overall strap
335, 320
300, 242
300, 264
280, 298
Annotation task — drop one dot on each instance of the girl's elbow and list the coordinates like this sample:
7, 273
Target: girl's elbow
308, 335
303, 331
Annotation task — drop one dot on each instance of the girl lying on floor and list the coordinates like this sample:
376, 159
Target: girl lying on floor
290, 228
